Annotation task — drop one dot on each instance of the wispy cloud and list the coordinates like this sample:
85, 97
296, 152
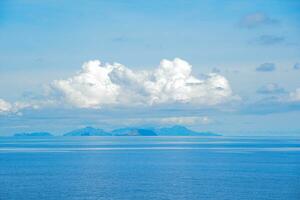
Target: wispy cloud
269, 40
266, 67
271, 88
285, 102
257, 19
269, 107
186, 120
162, 121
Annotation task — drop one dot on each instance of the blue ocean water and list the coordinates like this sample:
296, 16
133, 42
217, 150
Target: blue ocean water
136, 168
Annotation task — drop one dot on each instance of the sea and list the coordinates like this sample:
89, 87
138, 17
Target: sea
146, 168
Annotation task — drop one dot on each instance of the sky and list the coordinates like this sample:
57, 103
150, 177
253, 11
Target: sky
231, 67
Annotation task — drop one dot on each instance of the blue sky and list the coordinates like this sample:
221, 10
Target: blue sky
251, 45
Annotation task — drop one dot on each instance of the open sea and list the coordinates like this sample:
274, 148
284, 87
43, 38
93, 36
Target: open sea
158, 168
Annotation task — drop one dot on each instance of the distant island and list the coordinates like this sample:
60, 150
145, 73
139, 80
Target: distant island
35, 134
176, 130
90, 131
131, 131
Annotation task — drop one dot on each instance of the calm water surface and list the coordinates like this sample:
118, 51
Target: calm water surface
136, 168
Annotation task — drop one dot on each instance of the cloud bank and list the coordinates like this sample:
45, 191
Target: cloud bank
172, 81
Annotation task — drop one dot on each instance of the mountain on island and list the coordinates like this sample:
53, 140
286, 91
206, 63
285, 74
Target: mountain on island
35, 134
88, 131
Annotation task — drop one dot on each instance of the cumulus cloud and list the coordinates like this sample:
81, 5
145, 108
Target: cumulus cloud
100, 84
266, 67
257, 19
271, 88
90, 88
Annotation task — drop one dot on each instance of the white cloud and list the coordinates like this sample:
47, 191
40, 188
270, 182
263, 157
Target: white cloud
295, 96
91, 87
5, 107
172, 82
16, 107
